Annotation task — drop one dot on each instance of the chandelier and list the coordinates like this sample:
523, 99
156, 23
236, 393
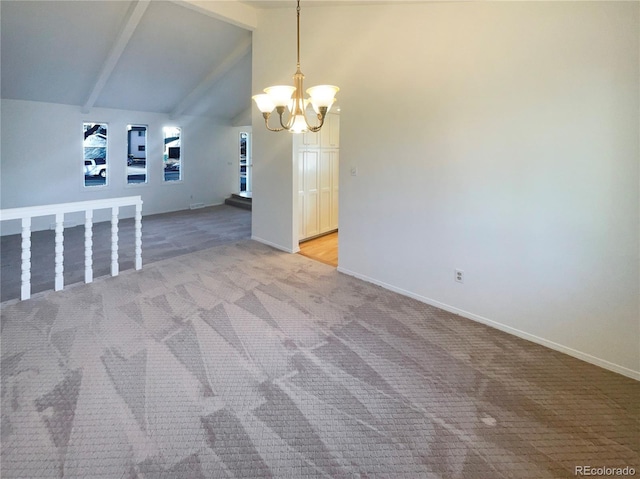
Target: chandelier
291, 98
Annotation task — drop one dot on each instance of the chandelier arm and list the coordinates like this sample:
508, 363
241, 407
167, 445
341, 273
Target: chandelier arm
316, 128
280, 110
266, 122
321, 117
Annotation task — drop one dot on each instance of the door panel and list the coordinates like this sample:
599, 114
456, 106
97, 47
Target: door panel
310, 179
335, 190
318, 176
325, 176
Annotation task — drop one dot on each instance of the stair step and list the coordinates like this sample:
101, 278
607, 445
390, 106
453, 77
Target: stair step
238, 202
241, 196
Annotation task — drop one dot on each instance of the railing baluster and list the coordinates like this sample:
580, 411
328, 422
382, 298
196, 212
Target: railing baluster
59, 282
26, 215
25, 291
114, 241
88, 246
138, 236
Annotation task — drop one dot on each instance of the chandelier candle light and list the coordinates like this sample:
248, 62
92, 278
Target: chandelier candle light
281, 97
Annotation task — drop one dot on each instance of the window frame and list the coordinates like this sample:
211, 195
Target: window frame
165, 152
133, 127
106, 184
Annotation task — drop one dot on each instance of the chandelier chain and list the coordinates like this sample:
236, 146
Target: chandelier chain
282, 97
298, 33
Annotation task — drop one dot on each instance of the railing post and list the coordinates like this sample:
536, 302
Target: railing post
138, 235
25, 291
59, 282
114, 241
88, 246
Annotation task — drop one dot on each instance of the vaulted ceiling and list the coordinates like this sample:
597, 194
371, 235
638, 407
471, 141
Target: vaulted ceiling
177, 57
158, 56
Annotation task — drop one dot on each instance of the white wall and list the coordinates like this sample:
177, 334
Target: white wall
498, 138
42, 159
273, 63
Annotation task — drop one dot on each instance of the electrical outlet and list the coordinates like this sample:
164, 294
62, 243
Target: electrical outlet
459, 276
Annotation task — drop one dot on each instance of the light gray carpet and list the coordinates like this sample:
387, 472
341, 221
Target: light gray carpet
242, 361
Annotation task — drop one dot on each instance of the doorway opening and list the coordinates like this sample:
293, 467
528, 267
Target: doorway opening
317, 161
241, 196
245, 164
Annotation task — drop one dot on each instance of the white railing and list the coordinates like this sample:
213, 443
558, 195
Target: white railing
27, 213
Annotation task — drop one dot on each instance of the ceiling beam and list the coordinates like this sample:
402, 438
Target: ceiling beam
238, 53
134, 15
230, 11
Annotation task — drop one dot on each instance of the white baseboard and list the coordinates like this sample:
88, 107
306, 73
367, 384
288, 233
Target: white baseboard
205, 205
503, 327
274, 245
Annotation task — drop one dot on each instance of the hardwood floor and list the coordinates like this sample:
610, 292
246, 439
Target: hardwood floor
323, 249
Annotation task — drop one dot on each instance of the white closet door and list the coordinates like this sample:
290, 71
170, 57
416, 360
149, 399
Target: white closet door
310, 178
325, 186
318, 178
335, 190
301, 197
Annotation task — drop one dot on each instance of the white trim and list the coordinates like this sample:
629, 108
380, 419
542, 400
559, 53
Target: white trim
45, 210
276, 246
502, 327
